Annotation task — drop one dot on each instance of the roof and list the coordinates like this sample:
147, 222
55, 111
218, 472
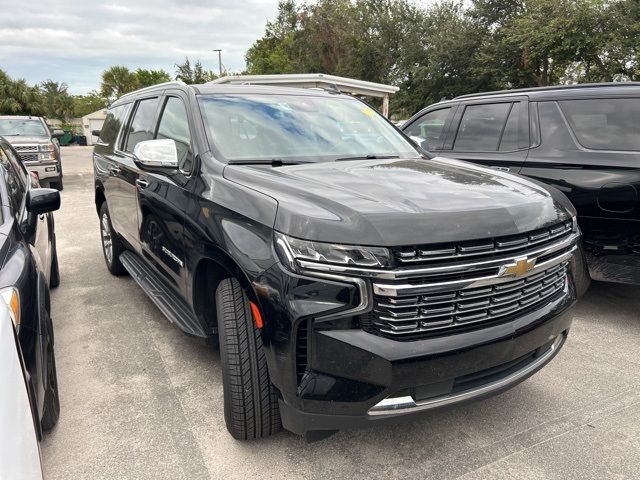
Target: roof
310, 80
559, 90
20, 117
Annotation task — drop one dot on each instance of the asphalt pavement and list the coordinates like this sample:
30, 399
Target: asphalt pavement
141, 400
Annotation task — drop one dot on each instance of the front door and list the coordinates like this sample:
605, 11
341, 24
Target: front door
162, 197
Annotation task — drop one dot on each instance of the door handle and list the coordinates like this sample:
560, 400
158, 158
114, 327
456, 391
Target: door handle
502, 169
142, 183
114, 170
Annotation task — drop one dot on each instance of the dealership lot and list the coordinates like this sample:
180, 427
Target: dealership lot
141, 400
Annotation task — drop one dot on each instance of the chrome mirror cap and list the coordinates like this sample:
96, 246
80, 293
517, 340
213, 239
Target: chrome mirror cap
157, 153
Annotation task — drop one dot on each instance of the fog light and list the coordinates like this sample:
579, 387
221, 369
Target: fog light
50, 169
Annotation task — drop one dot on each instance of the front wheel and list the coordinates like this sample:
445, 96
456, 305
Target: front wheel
54, 275
250, 401
51, 409
111, 245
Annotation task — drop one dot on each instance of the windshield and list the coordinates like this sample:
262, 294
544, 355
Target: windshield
25, 127
299, 128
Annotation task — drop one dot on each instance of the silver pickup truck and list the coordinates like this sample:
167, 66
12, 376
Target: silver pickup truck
37, 146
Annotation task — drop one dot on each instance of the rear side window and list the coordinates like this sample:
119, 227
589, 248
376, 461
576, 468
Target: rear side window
481, 127
142, 126
429, 127
605, 123
112, 124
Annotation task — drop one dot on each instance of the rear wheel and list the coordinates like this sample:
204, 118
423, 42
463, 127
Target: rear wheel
111, 245
250, 400
51, 409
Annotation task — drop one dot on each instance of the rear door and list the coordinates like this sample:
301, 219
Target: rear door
126, 175
493, 134
162, 194
590, 150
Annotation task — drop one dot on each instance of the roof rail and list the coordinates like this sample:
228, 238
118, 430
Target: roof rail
552, 87
151, 87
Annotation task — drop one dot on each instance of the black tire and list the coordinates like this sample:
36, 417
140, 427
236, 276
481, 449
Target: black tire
54, 275
51, 408
250, 401
110, 240
57, 184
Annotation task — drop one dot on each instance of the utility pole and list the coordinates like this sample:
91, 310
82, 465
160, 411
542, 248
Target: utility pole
219, 60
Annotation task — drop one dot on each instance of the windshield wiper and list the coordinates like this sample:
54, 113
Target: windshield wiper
366, 157
274, 162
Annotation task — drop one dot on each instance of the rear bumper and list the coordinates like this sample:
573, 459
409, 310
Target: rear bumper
369, 380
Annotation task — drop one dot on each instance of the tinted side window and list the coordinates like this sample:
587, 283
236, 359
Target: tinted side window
511, 133
429, 127
142, 126
481, 127
15, 178
605, 124
174, 125
112, 124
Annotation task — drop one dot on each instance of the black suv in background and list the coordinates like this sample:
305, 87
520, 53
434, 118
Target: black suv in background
28, 268
350, 280
582, 139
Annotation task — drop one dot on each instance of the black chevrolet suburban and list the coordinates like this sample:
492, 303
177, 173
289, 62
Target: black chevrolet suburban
349, 279
582, 139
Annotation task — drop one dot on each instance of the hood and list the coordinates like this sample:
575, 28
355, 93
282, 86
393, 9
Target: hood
401, 202
22, 139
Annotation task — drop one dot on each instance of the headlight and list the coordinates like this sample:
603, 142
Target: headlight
575, 228
294, 250
46, 147
12, 299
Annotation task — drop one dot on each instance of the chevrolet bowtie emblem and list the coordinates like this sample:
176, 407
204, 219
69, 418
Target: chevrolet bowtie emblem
519, 268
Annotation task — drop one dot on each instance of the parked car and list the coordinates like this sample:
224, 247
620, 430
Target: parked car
37, 146
29, 267
19, 429
581, 139
350, 280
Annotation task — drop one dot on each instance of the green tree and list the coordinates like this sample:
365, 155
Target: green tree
116, 81
57, 103
19, 98
193, 73
89, 103
146, 77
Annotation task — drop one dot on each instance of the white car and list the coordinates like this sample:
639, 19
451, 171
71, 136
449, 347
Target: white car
19, 448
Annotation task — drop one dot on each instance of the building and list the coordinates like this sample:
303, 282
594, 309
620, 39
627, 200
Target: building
93, 121
319, 80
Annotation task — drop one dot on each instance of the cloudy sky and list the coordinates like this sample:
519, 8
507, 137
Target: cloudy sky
73, 41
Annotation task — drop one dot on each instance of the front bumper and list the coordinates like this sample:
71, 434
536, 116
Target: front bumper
45, 170
412, 377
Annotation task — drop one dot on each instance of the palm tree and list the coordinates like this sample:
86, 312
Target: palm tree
117, 81
18, 98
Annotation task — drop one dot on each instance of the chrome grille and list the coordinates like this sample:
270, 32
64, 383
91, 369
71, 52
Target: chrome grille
416, 314
430, 254
29, 157
26, 148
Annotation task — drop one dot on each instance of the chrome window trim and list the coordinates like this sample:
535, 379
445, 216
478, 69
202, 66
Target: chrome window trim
313, 267
406, 404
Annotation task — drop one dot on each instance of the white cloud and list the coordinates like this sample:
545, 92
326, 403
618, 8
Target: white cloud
74, 40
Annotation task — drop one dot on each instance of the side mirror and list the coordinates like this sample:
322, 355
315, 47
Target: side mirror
57, 133
43, 200
424, 144
157, 153
95, 133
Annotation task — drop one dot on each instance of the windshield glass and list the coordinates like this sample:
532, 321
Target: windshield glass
298, 128
26, 127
